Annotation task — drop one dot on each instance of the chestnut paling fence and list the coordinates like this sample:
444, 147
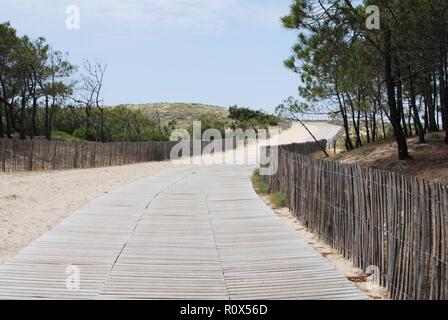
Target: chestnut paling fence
39, 154
393, 222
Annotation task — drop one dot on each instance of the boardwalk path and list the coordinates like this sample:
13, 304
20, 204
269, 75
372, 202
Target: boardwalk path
187, 233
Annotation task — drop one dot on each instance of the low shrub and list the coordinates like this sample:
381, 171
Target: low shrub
259, 185
278, 200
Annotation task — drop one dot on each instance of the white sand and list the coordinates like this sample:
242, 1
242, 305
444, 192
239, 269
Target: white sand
298, 134
32, 203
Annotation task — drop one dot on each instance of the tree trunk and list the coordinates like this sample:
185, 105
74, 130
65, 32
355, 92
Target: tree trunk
417, 122
435, 99
47, 119
443, 102
443, 94
50, 120
88, 123
355, 123
403, 153
358, 125
426, 116
382, 111
2, 134
102, 125
22, 118
432, 125
8, 120
348, 139
323, 148
410, 115
383, 126
366, 120
33, 120
401, 107
374, 123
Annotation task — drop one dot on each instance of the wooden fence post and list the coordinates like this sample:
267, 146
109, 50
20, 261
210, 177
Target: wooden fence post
75, 160
93, 155
3, 143
30, 155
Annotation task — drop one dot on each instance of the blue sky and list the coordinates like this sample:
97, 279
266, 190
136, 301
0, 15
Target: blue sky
221, 52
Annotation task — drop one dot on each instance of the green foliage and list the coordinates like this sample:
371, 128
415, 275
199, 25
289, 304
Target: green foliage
120, 124
80, 133
55, 134
170, 127
35, 86
356, 72
33, 76
212, 121
258, 118
292, 106
389, 132
278, 200
259, 185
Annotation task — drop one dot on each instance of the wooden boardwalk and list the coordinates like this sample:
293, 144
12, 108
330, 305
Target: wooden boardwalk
186, 233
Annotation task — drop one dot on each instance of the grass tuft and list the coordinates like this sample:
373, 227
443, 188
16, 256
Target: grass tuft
260, 186
278, 200
55, 134
363, 152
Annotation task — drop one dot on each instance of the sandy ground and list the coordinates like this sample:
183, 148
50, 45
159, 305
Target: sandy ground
32, 203
428, 161
250, 155
298, 134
